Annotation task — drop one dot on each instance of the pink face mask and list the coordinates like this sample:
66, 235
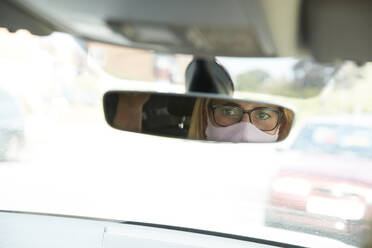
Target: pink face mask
239, 132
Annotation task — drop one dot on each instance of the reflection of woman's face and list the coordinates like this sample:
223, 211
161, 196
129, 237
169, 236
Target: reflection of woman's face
223, 113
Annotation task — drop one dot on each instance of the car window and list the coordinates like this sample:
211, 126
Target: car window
60, 156
8, 106
335, 139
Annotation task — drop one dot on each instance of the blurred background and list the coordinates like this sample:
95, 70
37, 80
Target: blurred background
59, 156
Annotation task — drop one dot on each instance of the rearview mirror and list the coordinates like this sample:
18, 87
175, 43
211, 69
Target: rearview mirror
197, 116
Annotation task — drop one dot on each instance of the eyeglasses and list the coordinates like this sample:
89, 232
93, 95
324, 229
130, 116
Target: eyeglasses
264, 118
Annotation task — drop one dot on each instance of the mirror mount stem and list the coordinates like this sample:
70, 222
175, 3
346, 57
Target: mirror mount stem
208, 76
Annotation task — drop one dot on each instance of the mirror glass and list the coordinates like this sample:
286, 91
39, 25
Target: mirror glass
197, 116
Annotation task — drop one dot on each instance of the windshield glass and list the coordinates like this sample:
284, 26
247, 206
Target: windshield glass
59, 156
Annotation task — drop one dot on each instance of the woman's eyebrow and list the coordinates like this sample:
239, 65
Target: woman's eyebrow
264, 106
230, 104
255, 105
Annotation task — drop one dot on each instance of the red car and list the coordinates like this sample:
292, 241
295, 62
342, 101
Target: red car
331, 197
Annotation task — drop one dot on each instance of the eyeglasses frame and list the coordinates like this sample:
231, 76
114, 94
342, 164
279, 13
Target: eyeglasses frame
213, 107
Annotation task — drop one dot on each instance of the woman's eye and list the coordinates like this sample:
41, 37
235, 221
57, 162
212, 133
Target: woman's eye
229, 112
263, 115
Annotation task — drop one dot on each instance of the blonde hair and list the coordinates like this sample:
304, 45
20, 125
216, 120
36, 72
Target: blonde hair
199, 120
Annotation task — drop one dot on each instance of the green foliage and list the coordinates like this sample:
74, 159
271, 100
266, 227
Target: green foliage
252, 80
259, 81
347, 95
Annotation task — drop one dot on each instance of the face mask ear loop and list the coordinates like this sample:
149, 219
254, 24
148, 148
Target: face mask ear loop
277, 130
209, 125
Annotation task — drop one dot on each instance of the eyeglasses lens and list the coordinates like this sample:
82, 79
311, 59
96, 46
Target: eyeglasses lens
265, 119
227, 115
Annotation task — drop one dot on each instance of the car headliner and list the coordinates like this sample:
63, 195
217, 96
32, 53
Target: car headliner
209, 27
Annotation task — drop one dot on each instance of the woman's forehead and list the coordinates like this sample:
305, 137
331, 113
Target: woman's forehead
244, 104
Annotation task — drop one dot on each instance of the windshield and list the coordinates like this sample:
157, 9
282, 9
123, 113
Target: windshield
59, 156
